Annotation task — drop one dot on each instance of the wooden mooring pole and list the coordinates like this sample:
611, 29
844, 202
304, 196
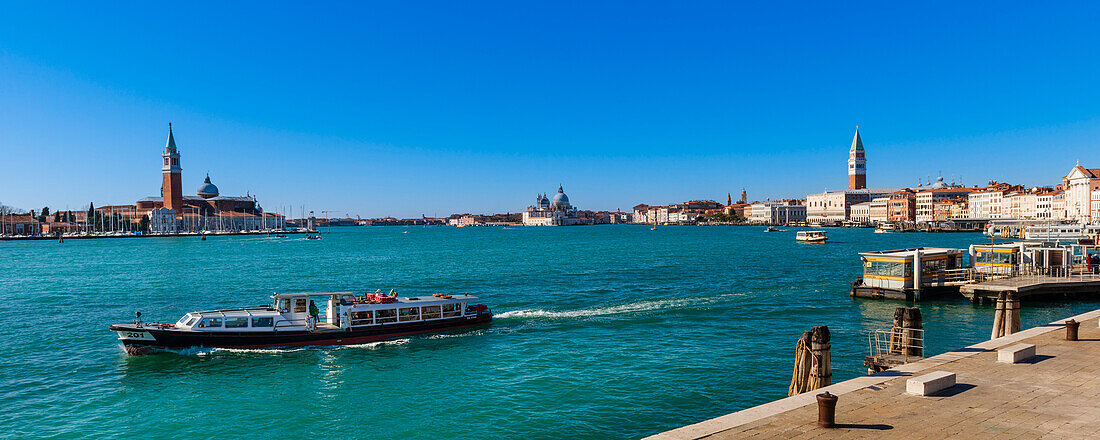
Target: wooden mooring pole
998, 317
812, 361
913, 336
1006, 317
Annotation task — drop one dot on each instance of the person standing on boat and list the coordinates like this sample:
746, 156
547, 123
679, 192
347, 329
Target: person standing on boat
313, 312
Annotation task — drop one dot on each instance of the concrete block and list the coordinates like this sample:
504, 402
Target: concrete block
930, 383
1016, 353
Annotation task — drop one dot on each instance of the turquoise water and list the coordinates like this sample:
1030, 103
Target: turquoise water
602, 331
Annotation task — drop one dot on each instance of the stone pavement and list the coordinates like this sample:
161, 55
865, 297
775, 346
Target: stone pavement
1055, 395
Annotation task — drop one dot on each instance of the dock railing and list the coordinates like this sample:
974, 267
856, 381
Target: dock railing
1023, 275
901, 344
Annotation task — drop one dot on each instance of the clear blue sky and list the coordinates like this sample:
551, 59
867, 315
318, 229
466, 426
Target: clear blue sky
403, 108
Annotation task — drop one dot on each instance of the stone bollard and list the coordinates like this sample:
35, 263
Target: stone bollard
1071, 330
826, 410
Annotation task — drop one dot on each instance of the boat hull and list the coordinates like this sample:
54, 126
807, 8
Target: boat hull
138, 340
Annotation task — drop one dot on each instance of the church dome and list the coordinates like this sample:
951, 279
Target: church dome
561, 201
207, 190
560, 196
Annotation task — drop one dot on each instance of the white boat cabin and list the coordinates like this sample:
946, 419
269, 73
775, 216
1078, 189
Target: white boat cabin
335, 311
810, 236
894, 269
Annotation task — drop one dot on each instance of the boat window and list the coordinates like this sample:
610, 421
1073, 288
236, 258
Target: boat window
236, 322
409, 313
266, 321
933, 266
191, 321
182, 320
286, 306
430, 312
361, 318
886, 268
300, 305
210, 322
451, 310
385, 315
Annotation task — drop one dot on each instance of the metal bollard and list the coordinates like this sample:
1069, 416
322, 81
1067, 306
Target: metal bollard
1071, 330
826, 410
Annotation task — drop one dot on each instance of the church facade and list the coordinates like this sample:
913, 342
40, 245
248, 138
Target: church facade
207, 210
553, 212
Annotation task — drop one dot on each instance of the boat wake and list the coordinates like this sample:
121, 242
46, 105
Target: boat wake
623, 309
203, 351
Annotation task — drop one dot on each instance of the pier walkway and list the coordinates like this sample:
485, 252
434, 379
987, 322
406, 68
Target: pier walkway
1025, 285
1055, 395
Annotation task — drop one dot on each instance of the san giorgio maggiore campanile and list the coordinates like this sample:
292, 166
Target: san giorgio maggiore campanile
171, 188
857, 164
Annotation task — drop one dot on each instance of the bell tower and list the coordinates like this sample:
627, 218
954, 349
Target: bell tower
171, 188
857, 164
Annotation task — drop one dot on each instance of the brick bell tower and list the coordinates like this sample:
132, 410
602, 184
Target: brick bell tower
171, 188
857, 164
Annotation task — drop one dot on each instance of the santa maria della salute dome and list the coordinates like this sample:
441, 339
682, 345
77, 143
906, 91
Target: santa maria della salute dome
552, 212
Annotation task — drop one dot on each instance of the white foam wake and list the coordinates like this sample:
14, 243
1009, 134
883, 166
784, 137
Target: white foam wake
637, 307
283, 350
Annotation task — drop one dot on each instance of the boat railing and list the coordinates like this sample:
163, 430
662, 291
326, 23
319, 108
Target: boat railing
1025, 274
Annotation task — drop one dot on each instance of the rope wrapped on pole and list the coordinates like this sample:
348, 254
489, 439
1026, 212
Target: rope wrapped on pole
812, 361
800, 379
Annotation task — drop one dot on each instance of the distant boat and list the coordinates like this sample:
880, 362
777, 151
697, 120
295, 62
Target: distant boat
280, 235
771, 229
811, 236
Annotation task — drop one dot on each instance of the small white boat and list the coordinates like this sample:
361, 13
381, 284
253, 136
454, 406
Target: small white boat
771, 229
811, 236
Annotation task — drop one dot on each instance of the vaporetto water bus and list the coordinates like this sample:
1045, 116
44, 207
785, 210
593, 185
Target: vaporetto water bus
293, 319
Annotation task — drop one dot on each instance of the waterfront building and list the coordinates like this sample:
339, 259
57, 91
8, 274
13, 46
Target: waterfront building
857, 164
927, 198
777, 212
741, 210
901, 206
163, 220
988, 202
1080, 186
878, 210
641, 214
555, 212
19, 224
949, 209
834, 207
208, 210
860, 213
